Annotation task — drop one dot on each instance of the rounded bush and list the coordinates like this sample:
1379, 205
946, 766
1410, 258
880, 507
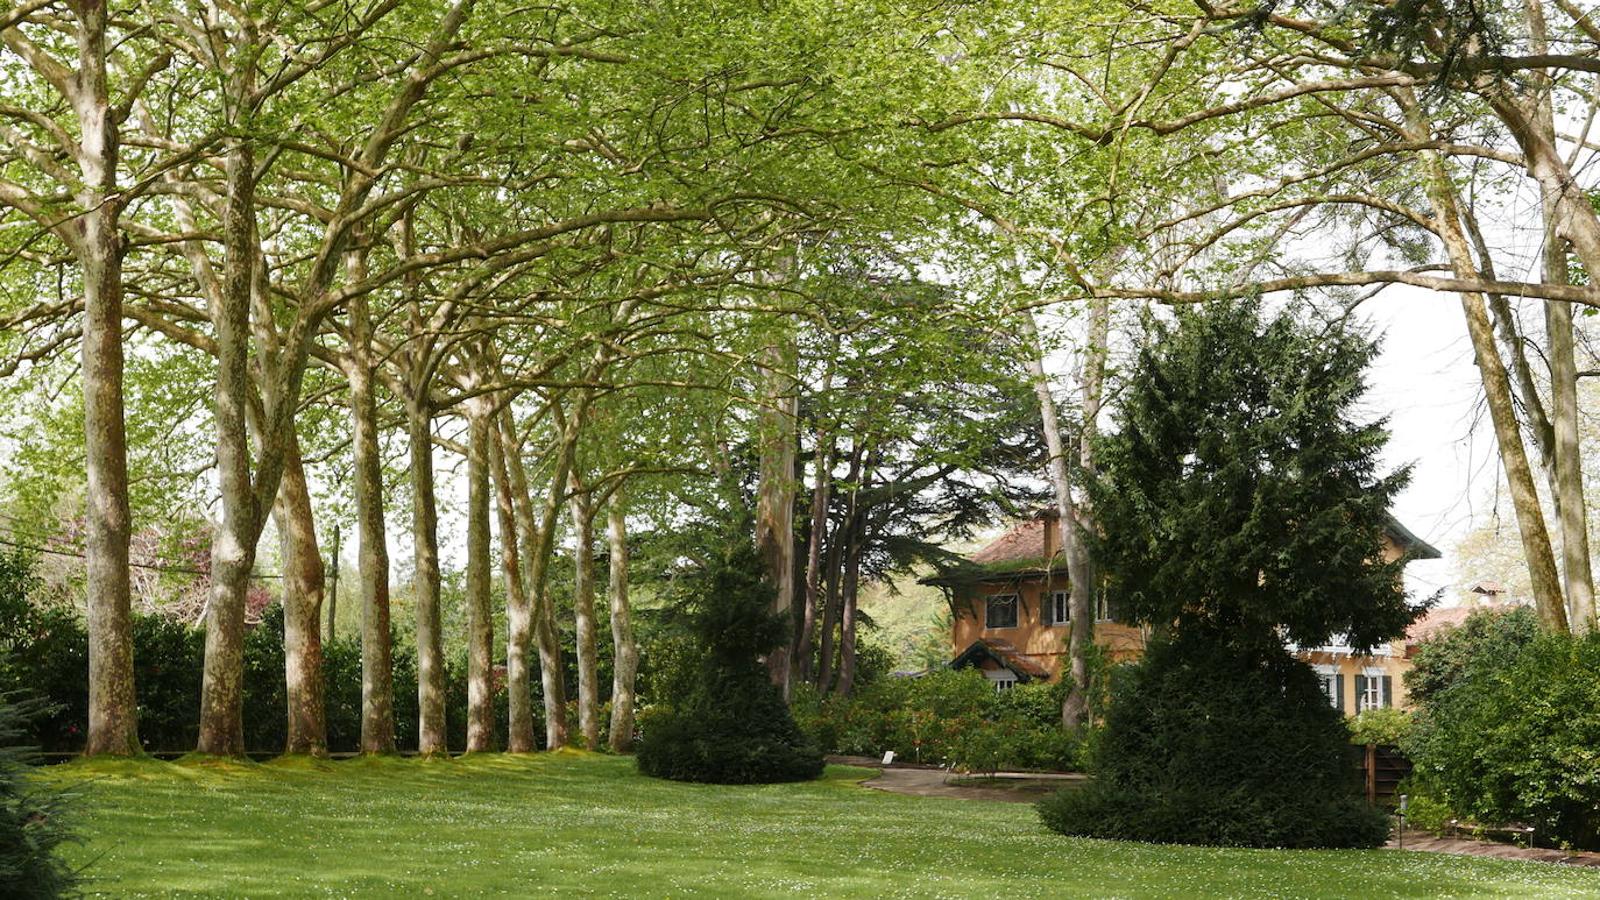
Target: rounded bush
723, 722
738, 733
1217, 742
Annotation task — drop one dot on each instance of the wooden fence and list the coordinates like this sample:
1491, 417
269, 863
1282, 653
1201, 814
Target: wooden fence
1382, 767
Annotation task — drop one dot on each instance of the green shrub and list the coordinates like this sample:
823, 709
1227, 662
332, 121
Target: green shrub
728, 723
1386, 725
168, 657
1214, 742
31, 815
982, 747
927, 719
44, 652
1512, 735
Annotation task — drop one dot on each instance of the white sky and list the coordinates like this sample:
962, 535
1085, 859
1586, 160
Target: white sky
1425, 380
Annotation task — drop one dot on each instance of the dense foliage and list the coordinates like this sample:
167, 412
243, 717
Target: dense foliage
1508, 725
1214, 742
1240, 507
1385, 725
726, 722
31, 823
1240, 490
953, 718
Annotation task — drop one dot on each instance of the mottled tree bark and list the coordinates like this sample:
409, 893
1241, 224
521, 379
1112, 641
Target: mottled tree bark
90, 227
480, 626
519, 609
1569, 216
1544, 578
1572, 508
302, 609
531, 537
1075, 709
431, 737
377, 666
233, 543
776, 490
582, 510
625, 651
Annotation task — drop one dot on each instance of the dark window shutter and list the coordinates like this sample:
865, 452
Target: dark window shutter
1388, 690
1361, 692
1338, 691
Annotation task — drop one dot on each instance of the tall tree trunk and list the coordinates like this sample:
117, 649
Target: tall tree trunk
836, 553
113, 713
377, 669
1075, 709
1542, 572
1569, 215
822, 478
624, 650
302, 609
582, 509
531, 537
233, 546
1577, 576
519, 611
776, 489
850, 590
95, 240
480, 633
431, 736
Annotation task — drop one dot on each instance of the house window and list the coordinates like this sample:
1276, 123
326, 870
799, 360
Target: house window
1058, 611
1374, 690
1001, 611
1102, 609
1003, 679
1328, 677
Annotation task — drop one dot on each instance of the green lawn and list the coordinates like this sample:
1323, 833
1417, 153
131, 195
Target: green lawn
578, 824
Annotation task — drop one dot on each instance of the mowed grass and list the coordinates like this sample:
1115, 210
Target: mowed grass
577, 824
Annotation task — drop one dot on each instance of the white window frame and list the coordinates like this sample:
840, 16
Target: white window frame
1372, 697
1002, 679
1058, 610
1102, 609
1016, 610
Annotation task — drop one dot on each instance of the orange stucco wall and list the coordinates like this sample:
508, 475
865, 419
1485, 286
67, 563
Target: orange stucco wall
1046, 644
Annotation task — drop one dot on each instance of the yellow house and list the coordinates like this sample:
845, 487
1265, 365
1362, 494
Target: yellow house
1011, 620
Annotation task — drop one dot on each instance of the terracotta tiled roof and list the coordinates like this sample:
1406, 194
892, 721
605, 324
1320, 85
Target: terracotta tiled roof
1003, 652
1438, 620
1025, 541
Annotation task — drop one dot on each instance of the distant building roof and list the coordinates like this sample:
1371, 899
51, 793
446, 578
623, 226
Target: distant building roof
1410, 543
1003, 652
1024, 542
1443, 619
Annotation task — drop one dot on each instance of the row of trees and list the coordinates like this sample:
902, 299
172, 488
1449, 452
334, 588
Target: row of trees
599, 254
631, 260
